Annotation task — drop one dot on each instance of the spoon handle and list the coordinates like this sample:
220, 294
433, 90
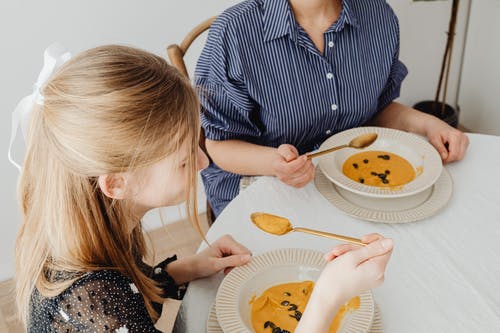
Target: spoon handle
326, 151
330, 235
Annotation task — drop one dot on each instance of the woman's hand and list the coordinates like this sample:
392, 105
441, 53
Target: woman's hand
224, 254
292, 169
450, 143
355, 268
351, 270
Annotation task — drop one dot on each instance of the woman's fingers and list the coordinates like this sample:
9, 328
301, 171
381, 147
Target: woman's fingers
339, 250
374, 249
367, 239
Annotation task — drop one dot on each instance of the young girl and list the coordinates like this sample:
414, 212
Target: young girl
113, 135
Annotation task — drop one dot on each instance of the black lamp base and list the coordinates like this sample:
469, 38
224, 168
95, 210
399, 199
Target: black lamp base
450, 115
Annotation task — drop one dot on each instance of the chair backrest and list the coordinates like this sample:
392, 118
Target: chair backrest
176, 53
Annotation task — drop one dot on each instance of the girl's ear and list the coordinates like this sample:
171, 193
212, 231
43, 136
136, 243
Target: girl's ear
113, 185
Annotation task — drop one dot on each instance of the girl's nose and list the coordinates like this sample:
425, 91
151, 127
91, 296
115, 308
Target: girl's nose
202, 159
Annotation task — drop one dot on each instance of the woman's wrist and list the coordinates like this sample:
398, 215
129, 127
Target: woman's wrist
318, 315
242, 157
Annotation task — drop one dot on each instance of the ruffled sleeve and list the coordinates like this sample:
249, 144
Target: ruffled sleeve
397, 74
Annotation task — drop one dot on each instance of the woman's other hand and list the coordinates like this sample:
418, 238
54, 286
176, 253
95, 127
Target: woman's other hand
450, 143
355, 269
351, 271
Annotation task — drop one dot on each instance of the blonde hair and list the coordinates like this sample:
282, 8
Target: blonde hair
111, 109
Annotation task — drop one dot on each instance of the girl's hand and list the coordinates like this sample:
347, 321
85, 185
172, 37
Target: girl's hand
224, 254
292, 169
351, 270
450, 143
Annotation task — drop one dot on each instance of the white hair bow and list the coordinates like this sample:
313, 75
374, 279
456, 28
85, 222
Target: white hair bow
54, 56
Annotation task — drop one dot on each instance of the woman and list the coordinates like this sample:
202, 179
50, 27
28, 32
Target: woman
278, 77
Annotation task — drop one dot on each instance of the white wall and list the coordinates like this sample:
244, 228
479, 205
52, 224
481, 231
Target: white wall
27, 27
423, 38
480, 84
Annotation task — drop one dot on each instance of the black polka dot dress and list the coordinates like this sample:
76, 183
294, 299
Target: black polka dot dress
101, 301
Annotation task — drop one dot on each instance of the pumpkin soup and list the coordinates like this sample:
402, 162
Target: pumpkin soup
379, 168
280, 308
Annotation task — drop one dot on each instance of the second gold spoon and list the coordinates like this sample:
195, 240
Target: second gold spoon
359, 142
278, 225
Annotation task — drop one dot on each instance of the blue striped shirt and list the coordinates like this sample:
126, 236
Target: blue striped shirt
262, 80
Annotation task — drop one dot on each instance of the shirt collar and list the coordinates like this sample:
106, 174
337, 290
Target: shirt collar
279, 19
276, 19
347, 16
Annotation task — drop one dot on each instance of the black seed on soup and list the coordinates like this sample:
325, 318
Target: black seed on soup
286, 293
292, 307
269, 324
365, 161
361, 180
285, 303
355, 165
298, 315
387, 172
382, 175
385, 181
276, 330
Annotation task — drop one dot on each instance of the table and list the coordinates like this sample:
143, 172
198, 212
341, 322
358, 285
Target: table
444, 274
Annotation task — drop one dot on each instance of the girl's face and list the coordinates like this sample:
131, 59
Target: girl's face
163, 183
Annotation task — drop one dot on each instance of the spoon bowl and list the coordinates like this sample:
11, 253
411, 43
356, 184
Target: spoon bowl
359, 142
363, 141
278, 225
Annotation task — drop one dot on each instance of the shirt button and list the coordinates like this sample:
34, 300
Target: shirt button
330, 44
334, 107
329, 76
328, 132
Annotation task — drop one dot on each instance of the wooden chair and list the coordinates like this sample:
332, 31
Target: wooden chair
176, 54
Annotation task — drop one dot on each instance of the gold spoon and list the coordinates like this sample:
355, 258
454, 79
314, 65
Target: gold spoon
278, 225
362, 141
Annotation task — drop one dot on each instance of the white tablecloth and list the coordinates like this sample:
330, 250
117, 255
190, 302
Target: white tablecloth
444, 275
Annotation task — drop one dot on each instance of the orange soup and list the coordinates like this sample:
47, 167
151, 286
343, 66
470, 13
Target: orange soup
379, 168
281, 306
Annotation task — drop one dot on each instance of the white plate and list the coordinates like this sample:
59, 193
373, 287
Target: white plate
272, 268
421, 155
212, 323
214, 327
438, 198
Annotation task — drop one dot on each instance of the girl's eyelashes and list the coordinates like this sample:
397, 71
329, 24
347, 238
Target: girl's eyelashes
183, 163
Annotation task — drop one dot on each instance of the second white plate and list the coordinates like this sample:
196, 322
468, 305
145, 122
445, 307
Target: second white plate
438, 197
